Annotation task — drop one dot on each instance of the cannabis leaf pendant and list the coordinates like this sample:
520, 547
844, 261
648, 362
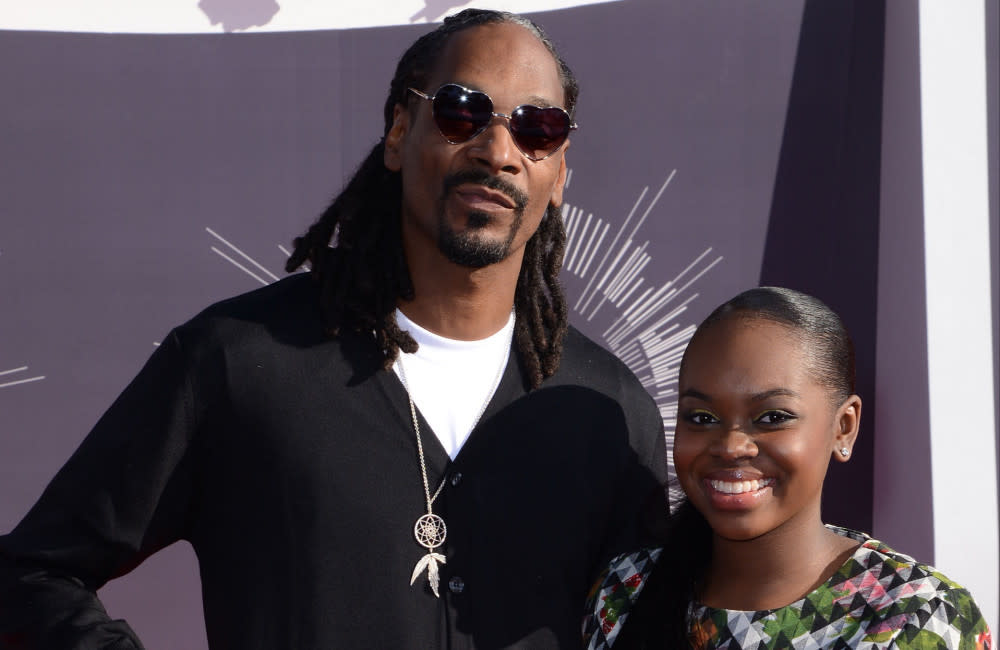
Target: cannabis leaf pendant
430, 561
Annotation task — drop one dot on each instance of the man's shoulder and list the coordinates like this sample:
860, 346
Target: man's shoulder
294, 295
296, 292
287, 310
587, 362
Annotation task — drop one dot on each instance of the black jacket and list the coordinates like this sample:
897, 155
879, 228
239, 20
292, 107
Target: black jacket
288, 461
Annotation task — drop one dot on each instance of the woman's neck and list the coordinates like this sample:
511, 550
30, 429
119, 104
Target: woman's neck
772, 570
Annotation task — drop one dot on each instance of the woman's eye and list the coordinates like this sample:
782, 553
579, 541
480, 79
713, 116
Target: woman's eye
701, 418
775, 417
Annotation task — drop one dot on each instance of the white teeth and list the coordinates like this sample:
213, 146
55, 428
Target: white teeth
739, 487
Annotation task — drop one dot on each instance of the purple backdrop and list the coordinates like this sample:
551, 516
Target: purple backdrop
144, 177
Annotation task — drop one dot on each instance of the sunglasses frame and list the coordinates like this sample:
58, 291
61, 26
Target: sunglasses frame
513, 136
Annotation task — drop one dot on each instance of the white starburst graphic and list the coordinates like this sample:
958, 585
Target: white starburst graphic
643, 321
10, 377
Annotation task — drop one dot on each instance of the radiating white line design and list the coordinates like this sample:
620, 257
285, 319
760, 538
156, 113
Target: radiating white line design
239, 265
18, 381
645, 328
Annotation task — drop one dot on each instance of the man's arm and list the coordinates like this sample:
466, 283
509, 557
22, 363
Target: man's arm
123, 495
41, 609
640, 500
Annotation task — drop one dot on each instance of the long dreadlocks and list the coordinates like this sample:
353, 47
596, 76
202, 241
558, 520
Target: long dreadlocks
355, 248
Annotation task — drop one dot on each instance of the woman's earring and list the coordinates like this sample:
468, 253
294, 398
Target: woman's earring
845, 452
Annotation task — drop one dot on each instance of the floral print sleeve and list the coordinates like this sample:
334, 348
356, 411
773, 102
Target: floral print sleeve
613, 595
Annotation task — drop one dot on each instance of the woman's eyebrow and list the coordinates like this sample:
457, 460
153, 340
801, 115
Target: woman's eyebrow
774, 392
756, 397
690, 392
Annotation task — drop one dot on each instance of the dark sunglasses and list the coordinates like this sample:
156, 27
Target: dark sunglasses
462, 114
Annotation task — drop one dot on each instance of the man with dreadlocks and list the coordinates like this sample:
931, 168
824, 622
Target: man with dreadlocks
407, 447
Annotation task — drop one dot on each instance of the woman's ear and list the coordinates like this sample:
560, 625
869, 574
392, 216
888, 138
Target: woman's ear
847, 422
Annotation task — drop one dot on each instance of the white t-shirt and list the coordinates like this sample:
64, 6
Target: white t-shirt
450, 381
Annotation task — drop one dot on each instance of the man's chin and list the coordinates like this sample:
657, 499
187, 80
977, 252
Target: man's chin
472, 251
472, 246
474, 257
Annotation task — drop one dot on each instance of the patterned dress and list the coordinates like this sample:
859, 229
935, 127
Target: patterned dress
877, 599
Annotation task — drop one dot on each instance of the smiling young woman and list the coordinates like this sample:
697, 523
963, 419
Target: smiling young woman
766, 399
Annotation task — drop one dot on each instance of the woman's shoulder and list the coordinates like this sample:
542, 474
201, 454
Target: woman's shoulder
880, 594
881, 574
878, 598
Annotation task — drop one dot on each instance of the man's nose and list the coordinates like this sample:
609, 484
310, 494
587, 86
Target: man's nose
495, 148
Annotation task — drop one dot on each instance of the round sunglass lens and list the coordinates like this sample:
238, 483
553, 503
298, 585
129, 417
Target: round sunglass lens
461, 114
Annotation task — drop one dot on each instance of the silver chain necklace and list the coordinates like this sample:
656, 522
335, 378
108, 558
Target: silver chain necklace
430, 529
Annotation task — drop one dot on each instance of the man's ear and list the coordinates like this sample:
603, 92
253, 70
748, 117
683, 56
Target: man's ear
557, 191
847, 423
392, 158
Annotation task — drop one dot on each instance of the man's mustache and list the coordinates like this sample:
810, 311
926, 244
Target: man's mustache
480, 177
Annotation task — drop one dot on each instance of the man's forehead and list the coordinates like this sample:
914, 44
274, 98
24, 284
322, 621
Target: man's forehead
500, 56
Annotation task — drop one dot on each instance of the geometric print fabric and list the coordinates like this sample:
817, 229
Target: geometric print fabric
877, 599
612, 596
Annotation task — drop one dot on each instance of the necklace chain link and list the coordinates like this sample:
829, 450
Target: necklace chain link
430, 529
